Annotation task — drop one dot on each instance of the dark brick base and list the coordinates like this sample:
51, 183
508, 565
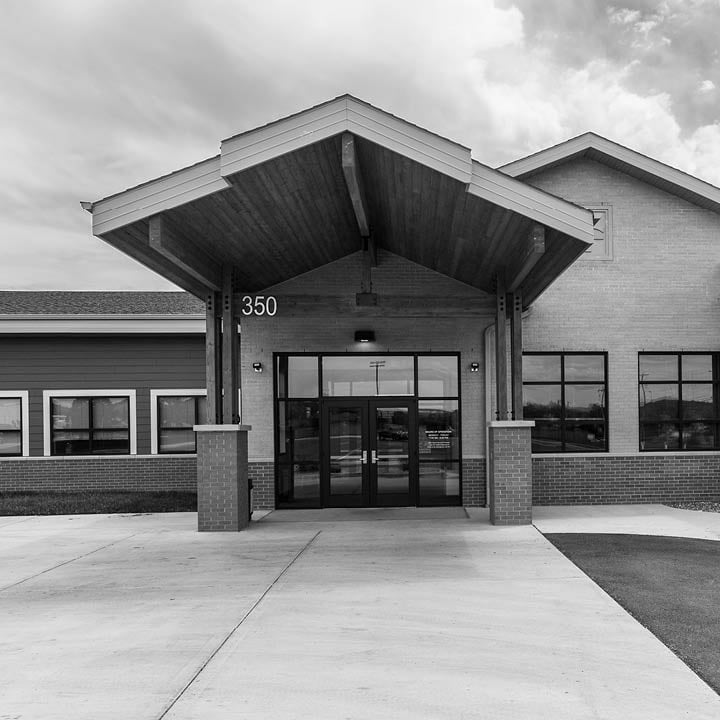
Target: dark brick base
263, 478
473, 482
510, 473
143, 473
603, 480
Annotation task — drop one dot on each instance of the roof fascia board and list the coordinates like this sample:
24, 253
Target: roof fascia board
155, 196
345, 114
502, 190
54, 325
546, 158
632, 159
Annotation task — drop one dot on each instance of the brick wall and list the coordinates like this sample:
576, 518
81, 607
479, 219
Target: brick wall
334, 332
643, 478
223, 499
510, 474
474, 483
262, 474
660, 291
144, 473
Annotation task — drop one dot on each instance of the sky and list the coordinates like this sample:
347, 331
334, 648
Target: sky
99, 95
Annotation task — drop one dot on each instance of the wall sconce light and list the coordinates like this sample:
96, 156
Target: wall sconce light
474, 367
257, 367
364, 336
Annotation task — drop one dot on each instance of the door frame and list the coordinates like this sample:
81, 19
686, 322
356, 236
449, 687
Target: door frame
369, 497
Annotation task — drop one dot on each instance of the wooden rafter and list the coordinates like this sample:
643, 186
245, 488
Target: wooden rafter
525, 259
354, 182
164, 239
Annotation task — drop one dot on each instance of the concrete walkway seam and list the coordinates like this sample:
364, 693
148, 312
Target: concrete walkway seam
207, 661
67, 562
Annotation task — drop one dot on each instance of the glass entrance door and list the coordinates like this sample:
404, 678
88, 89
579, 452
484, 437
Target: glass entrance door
370, 453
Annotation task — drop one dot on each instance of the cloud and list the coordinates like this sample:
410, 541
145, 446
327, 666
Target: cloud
98, 97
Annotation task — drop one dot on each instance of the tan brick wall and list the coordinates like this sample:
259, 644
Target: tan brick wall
395, 276
660, 291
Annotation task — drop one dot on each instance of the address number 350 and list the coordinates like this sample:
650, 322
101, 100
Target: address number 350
259, 305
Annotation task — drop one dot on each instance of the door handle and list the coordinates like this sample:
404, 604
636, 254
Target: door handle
374, 457
364, 457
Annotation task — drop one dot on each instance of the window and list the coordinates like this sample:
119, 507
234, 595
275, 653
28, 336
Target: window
678, 399
172, 416
13, 423
602, 247
89, 422
566, 395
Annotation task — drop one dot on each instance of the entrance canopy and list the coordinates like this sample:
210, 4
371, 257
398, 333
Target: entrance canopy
343, 176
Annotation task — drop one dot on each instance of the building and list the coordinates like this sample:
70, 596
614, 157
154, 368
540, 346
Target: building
415, 328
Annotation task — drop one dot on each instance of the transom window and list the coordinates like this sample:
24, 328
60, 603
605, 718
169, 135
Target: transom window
566, 395
678, 399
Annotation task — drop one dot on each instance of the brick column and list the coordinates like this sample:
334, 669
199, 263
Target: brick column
510, 472
222, 477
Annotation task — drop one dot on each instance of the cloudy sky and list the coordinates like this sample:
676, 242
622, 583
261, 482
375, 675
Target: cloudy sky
99, 95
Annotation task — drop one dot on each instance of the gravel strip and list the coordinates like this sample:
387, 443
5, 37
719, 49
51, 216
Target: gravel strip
703, 506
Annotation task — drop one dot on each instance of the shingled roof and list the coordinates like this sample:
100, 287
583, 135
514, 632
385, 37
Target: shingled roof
98, 303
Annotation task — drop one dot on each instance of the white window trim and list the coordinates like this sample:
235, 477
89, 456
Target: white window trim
154, 395
24, 417
114, 392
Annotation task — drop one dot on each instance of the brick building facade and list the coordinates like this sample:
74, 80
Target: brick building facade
600, 264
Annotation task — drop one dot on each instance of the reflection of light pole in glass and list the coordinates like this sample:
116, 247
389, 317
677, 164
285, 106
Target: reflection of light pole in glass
377, 364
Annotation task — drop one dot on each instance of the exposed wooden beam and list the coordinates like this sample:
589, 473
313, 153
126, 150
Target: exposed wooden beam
370, 247
165, 240
354, 182
525, 258
212, 360
396, 305
516, 350
134, 242
230, 413
501, 349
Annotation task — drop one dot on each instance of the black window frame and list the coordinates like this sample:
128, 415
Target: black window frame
159, 430
20, 430
680, 421
562, 382
281, 396
91, 429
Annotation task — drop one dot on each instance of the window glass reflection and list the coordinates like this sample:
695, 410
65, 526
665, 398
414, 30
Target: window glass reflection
368, 375
697, 401
659, 401
584, 401
437, 376
302, 376
546, 436
697, 367
439, 480
10, 413
660, 436
541, 368
658, 367
541, 401
438, 430
299, 452
585, 368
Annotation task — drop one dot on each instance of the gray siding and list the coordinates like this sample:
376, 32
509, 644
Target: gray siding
87, 362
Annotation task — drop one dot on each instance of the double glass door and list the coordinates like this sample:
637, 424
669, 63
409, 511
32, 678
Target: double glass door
370, 457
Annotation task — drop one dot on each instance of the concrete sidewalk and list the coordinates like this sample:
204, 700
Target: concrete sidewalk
628, 519
422, 616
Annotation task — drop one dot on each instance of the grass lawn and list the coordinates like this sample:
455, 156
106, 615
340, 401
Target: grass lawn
77, 503
670, 585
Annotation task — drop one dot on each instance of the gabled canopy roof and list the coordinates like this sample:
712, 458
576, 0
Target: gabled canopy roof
618, 157
300, 192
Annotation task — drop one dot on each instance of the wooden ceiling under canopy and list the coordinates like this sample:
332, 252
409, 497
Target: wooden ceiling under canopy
304, 191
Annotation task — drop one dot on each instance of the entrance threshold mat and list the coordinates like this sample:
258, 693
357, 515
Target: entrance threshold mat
366, 514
